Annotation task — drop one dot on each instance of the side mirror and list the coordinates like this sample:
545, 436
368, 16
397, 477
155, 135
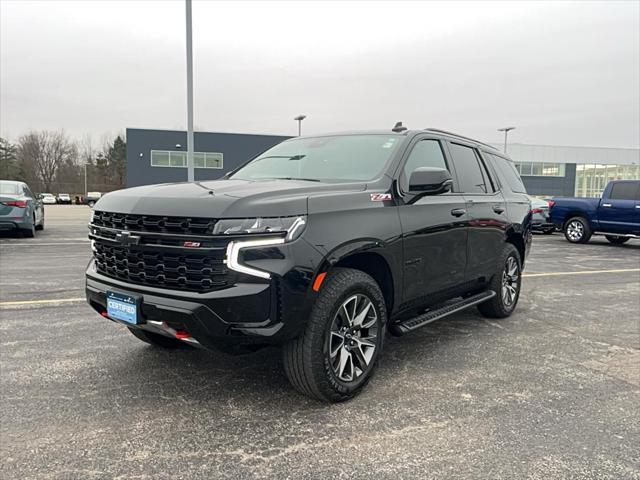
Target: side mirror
430, 181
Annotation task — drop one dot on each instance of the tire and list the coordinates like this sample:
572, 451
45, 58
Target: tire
507, 294
41, 226
91, 203
548, 232
577, 230
309, 363
616, 240
156, 339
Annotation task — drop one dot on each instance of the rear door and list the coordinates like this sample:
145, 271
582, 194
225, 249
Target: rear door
433, 227
619, 213
486, 209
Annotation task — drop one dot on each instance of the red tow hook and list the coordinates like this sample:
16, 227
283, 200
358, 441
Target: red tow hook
104, 314
181, 334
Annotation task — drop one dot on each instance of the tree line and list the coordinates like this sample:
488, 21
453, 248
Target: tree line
50, 161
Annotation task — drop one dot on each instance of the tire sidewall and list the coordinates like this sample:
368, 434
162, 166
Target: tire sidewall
375, 296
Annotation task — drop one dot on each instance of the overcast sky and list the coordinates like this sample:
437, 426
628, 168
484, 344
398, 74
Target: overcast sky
563, 73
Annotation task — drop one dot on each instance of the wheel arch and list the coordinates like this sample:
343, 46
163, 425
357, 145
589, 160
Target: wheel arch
368, 257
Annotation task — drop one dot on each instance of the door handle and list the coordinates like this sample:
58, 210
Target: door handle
498, 209
606, 204
458, 212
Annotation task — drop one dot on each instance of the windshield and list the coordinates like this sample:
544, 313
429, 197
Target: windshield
331, 158
10, 188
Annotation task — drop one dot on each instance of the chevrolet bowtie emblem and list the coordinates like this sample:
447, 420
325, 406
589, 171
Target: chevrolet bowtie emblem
125, 238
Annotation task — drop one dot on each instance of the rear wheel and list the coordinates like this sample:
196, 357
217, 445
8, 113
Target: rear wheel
577, 230
506, 283
156, 339
41, 226
616, 240
337, 353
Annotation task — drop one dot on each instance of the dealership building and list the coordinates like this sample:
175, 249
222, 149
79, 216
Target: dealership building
159, 156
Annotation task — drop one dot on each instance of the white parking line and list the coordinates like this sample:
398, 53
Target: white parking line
584, 272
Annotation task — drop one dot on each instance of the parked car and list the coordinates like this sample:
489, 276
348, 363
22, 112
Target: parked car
64, 198
540, 221
91, 198
20, 210
48, 199
616, 215
322, 245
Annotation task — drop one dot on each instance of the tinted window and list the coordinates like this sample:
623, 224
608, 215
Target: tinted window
331, 158
624, 191
508, 174
470, 175
28, 193
426, 153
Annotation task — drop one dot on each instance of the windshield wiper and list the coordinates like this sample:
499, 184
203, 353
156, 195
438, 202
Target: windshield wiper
297, 178
290, 157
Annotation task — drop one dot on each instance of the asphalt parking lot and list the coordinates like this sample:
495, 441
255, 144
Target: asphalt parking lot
551, 393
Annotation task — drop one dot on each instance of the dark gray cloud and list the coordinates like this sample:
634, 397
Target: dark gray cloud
563, 73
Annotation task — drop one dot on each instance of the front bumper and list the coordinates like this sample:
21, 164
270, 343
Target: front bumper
243, 314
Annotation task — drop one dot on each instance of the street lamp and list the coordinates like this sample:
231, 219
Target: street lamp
190, 174
299, 119
506, 130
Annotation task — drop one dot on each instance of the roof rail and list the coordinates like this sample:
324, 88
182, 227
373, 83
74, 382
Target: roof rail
437, 130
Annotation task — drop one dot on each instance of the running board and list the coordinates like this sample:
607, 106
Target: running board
447, 309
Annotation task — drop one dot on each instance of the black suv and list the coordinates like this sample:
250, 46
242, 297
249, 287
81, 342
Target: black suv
321, 244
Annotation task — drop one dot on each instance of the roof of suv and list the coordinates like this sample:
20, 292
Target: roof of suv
407, 132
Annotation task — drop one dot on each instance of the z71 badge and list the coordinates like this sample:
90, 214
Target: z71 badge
380, 197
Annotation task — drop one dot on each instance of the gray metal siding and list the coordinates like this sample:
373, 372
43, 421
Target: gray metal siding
552, 186
236, 149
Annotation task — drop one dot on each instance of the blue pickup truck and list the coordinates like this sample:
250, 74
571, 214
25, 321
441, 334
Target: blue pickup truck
616, 215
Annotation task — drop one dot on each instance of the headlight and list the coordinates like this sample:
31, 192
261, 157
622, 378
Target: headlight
292, 227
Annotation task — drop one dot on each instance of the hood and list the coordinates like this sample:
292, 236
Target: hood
220, 198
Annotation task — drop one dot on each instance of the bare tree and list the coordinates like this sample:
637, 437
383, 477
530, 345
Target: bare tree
46, 151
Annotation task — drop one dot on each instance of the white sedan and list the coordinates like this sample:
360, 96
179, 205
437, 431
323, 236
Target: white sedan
48, 199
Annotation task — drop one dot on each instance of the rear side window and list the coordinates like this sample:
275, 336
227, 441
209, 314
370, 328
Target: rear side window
508, 173
624, 191
9, 188
471, 177
426, 153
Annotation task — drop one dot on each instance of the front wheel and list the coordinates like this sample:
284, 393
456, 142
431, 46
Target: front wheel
336, 355
577, 230
506, 283
616, 240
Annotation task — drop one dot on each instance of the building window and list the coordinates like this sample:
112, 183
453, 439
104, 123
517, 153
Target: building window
163, 158
592, 179
540, 169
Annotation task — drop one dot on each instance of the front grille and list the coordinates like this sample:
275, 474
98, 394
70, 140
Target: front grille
159, 258
154, 223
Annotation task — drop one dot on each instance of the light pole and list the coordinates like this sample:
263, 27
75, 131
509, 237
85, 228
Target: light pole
85, 179
190, 176
506, 130
299, 119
